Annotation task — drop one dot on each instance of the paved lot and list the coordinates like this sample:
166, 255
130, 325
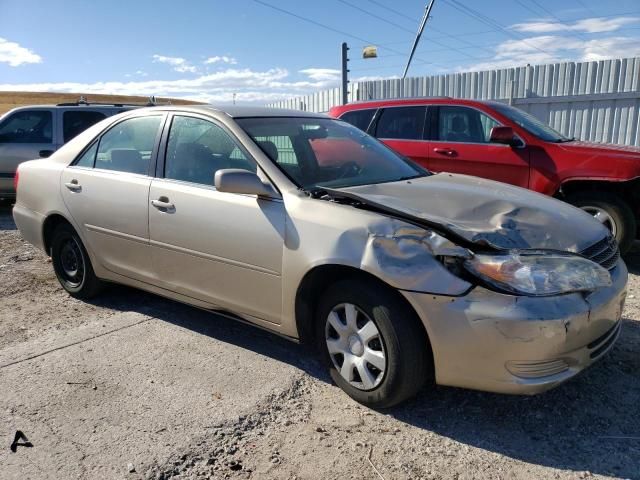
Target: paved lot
136, 382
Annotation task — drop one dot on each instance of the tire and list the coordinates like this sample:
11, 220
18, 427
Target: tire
72, 265
406, 353
615, 214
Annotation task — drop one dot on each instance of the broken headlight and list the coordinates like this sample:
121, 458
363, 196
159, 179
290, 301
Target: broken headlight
538, 273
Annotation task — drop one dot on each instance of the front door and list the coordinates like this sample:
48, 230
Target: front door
218, 247
460, 144
107, 192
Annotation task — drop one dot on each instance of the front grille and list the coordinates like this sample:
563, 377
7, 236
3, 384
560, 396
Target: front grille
605, 252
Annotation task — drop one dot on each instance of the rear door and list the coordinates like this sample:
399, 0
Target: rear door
460, 144
107, 192
24, 135
403, 129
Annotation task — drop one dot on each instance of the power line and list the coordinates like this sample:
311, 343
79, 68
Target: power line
327, 27
385, 20
492, 23
562, 22
456, 35
437, 30
585, 6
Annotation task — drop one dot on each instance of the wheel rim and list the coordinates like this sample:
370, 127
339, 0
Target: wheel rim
355, 346
72, 262
603, 217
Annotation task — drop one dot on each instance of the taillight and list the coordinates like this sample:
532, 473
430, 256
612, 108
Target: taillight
16, 179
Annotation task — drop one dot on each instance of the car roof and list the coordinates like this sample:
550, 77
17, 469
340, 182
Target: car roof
410, 101
240, 111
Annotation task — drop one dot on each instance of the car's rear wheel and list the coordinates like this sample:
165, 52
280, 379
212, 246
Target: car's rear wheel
372, 342
72, 265
610, 210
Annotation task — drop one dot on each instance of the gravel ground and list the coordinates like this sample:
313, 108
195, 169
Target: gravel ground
136, 386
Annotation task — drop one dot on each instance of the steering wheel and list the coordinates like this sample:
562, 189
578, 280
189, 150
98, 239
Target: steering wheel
349, 168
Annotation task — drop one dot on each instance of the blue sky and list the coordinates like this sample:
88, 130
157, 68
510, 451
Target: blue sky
211, 49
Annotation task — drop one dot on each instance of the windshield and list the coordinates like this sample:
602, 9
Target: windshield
530, 123
318, 152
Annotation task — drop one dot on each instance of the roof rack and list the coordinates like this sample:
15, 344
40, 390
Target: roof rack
83, 101
409, 99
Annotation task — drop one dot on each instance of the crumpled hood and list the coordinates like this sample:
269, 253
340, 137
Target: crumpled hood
487, 213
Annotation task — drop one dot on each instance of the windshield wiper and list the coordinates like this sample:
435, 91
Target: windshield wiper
565, 140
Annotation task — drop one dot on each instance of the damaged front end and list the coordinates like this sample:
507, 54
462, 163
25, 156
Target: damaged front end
414, 254
515, 320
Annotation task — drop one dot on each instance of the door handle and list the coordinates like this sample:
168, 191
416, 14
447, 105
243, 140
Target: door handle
73, 185
163, 204
45, 153
445, 151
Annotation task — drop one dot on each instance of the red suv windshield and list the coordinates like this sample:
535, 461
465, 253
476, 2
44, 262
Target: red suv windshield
530, 123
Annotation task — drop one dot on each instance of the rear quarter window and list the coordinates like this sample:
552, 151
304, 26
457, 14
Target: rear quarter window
359, 118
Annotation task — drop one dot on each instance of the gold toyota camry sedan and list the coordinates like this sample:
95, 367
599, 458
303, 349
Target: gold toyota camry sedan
308, 227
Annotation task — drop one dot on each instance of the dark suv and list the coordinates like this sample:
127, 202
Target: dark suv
27, 133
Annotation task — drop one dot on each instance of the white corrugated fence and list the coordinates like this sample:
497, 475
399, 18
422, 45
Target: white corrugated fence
595, 101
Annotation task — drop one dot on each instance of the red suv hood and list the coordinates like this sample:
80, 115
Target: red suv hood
601, 149
485, 212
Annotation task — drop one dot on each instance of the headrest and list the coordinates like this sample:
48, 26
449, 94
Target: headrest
270, 149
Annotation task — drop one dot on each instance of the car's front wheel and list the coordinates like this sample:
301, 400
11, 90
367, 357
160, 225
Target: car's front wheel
372, 342
72, 265
610, 210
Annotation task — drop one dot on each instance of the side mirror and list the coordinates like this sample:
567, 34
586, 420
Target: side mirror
504, 135
235, 180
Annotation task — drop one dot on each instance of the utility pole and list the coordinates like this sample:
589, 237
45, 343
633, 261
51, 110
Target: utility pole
427, 12
345, 73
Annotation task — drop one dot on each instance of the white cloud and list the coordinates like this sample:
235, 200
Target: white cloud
556, 48
16, 55
220, 59
587, 25
322, 74
248, 85
611, 47
179, 64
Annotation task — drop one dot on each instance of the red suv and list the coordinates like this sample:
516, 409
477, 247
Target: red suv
500, 142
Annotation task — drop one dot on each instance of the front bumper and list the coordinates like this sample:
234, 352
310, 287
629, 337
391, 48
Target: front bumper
522, 345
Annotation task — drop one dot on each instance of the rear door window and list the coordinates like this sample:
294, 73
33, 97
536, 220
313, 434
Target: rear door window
128, 146
77, 121
402, 123
27, 126
359, 118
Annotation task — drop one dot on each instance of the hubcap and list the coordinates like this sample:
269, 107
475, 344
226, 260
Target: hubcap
355, 346
603, 217
71, 262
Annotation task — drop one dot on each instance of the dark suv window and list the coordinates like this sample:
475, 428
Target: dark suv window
359, 118
464, 125
128, 146
77, 121
28, 126
402, 123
